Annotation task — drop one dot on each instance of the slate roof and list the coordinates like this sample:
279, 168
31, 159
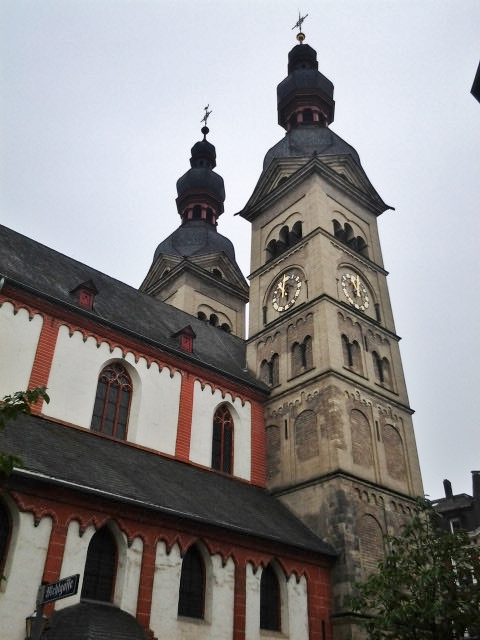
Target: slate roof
114, 469
93, 620
54, 275
307, 141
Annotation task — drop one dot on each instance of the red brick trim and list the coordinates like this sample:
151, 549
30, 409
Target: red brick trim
257, 472
240, 597
145, 588
184, 427
43, 357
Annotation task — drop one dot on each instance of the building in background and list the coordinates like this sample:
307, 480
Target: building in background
205, 485
461, 511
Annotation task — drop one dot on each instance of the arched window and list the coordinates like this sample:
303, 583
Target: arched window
213, 320
191, 595
307, 115
112, 402
382, 369
347, 352
270, 617
271, 250
5, 530
297, 231
270, 371
352, 356
302, 356
100, 567
222, 441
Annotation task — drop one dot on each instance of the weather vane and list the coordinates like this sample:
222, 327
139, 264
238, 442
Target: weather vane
207, 113
300, 21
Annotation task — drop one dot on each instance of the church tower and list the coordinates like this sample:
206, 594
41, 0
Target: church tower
341, 450
194, 269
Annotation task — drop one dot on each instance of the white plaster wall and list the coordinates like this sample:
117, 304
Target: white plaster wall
28, 551
296, 610
166, 581
18, 344
73, 381
128, 577
155, 425
74, 557
252, 603
205, 403
218, 622
294, 601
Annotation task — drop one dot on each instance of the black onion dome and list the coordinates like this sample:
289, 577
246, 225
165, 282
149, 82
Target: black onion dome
93, 621
308, 141
203, 151
195, 238
304, 87
201, 182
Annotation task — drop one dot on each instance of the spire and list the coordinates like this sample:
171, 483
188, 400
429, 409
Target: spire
305, 96
201, 192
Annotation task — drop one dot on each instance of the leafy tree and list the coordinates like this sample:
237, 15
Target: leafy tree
426, 588
10, 408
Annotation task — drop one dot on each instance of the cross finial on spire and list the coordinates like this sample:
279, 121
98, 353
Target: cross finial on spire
300, 21
207, 113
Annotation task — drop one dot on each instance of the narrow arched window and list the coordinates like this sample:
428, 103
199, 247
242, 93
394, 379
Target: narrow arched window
308, 352
5, 530
347, 351
191, 594
222, 441
100, 567
378, 366
270, 617
112, 402
271, 250
275, 369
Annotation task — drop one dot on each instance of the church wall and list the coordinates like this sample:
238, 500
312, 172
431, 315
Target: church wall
23, 572
20, 331
224, 555
205, 402
353, 516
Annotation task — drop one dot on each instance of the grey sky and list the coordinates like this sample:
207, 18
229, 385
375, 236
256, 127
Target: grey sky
101, 101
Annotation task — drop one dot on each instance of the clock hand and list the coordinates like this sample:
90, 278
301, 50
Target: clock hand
356, 286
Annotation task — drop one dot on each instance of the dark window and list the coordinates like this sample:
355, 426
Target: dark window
382, 369
201, 315
307, 115
270, 600
270, 371
5, 529
302, 356
213, 320
222, 442
191, 595
346, 235
100, 567
347, 351
112, 402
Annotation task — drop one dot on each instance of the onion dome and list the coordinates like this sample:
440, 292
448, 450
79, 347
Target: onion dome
306, 95
201, 192
305, 109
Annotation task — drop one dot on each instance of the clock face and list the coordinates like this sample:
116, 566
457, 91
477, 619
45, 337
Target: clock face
286, 291
355, 291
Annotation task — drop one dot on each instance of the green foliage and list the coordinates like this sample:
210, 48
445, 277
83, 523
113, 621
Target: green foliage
10, 408
427, 587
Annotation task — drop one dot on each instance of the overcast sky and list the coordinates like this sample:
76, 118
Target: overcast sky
101, 101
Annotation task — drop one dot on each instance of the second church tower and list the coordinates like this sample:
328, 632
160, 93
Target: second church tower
341, 449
